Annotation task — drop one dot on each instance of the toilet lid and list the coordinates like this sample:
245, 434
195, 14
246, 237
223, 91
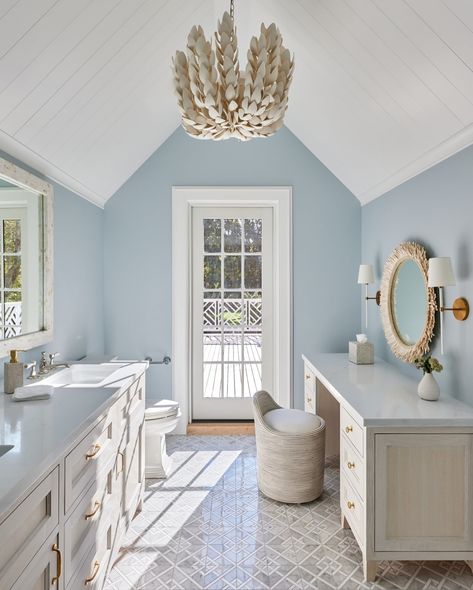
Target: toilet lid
164, 408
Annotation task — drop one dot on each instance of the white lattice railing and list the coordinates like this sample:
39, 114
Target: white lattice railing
232, 312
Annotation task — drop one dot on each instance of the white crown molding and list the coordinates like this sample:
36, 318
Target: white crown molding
19, 151
430, 158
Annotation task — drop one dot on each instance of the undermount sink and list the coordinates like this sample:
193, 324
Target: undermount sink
5, 448
81, 375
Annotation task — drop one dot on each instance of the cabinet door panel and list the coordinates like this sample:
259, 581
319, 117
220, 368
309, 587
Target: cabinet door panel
42, 572
423, 492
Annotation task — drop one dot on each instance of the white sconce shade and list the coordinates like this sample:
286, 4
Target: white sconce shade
365, 274
441, 272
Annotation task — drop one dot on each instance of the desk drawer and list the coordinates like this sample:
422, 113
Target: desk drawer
352, 465
95, 452
352, 430
309, 400
28, 527
87, 521
91, 573
309, 379
353, 508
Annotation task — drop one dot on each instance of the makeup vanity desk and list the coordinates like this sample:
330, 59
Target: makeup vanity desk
406, 465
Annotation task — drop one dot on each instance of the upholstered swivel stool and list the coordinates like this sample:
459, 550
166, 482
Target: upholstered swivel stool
290, 447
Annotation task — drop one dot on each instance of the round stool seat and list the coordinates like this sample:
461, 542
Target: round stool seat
164, 408
291, 421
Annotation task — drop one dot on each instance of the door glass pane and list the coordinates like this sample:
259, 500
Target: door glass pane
232, 272
232, 350
253, 272
232, 235
12, 272
11, 235
253, 235
212, 272
232, 380
232, 310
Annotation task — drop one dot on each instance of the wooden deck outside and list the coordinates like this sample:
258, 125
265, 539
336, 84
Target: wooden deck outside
237, 357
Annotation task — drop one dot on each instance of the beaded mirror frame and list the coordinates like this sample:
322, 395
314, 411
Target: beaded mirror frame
406, 352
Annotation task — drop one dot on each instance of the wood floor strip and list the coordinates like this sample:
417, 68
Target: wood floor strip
221, 428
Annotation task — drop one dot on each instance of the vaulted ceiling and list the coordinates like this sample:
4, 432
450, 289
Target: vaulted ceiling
383, 89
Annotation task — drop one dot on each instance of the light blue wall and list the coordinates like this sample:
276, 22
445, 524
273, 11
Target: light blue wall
78, 276
436, 209
326, 219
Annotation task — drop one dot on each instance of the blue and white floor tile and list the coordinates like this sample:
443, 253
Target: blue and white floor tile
208, 527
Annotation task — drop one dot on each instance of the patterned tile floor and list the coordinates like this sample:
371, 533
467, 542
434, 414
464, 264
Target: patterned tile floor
207, 526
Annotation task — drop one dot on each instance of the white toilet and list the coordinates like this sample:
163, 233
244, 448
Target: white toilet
161, 417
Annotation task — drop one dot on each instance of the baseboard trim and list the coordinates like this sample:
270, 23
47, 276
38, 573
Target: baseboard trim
221, 428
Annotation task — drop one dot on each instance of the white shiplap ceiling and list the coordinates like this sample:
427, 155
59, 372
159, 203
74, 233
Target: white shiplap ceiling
383, 89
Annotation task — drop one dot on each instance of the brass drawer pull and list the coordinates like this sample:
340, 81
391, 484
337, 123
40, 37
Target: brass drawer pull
91, 455
307, 376
55, 580
90, 515
122, 462
95, 571
309, 400
350, 465
350, 505
348, 429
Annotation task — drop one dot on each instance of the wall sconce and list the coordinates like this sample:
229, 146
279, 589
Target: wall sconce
366, 277
441, 275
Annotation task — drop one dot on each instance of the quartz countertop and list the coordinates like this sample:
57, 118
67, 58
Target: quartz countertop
42, 431
380, 395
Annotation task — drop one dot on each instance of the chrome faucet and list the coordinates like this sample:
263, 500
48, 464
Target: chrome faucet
52, 365
43, 364
32, 368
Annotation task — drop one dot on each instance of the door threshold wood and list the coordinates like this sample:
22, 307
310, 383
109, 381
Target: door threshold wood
221, 428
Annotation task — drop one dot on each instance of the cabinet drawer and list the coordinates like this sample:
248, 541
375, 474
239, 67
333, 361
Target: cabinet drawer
131, 402
352, 430
309, 379
353, 466
28, 527
91, 573
87, 521
95, 453
353, 508
309, 400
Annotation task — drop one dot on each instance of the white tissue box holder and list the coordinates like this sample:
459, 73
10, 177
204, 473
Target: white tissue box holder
361, 353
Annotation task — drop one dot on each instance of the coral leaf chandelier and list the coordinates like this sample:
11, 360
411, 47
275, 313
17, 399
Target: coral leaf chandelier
216, 99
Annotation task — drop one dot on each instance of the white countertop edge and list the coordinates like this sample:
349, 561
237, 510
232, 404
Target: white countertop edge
391, 422
10, 500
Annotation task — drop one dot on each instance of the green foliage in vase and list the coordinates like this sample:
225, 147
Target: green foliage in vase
428, 364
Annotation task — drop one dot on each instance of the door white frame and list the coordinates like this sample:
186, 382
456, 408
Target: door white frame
183, 200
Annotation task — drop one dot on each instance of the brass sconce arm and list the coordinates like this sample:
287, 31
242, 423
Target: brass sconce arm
461, 309
377, 297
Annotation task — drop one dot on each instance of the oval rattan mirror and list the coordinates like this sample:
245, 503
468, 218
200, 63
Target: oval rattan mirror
407, 303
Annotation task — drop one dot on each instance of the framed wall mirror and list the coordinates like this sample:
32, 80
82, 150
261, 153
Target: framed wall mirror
407, 303
26, 259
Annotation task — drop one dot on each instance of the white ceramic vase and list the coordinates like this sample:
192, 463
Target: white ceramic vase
428, 388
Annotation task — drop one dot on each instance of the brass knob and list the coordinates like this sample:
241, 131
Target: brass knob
350, 465
307, 376
350, 505
309, 400
348, 429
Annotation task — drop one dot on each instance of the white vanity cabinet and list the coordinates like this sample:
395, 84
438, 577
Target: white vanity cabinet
406, 465
67, 531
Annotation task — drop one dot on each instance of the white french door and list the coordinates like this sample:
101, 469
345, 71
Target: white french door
232, 309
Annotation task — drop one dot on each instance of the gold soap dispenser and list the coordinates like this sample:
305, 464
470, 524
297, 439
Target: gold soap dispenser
13, 373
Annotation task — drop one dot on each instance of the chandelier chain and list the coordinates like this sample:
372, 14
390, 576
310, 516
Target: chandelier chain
232, 9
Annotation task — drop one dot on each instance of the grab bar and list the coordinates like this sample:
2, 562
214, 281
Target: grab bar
166, 360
